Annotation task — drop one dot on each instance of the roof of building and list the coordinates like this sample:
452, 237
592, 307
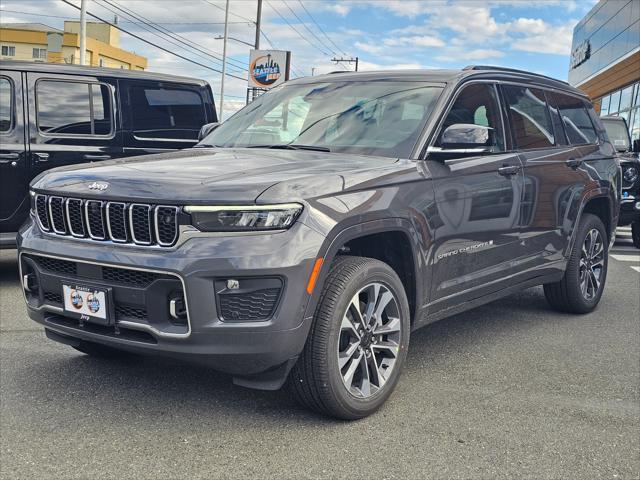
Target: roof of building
38, 27
68, 69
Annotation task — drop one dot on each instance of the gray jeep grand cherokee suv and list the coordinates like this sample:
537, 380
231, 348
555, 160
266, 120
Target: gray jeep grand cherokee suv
306, 237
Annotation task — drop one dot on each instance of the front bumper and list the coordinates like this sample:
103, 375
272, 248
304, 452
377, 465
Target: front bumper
629, 209
243, 348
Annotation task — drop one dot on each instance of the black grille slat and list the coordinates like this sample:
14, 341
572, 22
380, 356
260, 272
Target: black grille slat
128, 312
95, 219
256, 305
64, 267
136, 278
52, 298
75, 217
140, 223
56, 211
117, 222
42, 210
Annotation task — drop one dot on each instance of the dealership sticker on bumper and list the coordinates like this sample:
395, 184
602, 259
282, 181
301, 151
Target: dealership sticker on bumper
87, 302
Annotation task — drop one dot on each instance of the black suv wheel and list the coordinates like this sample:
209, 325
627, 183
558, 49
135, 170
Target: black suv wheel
580, 289
358, 341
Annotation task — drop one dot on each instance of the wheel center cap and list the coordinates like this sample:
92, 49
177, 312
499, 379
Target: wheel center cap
366, 340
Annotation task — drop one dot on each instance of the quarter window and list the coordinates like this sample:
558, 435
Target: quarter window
6, 104
73, 108
167, 112
477, 105
575, 118
529, 116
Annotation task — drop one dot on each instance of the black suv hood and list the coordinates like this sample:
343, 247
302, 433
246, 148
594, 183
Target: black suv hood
205, 175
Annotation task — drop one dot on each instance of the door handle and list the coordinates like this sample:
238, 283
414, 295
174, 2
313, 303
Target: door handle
41, 157
9, 156
508, 170
89, 156
574, 163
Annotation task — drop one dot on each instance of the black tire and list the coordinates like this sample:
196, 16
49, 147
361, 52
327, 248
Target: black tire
567, 295
317, 380
635, 233
98, 350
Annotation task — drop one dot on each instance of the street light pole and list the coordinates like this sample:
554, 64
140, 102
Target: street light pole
258, 23
83, 31
224, 61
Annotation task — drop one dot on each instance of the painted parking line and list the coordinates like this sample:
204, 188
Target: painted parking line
626, 258
637, 269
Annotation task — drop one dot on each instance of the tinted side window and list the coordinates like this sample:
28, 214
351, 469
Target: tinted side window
529, 117
477, 104
575, 118
6, 104
65, 108
166, 112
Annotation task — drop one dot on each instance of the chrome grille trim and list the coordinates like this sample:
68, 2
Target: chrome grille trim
142, 224
68, 214
124, 221
156, 222
88, 221
44, 213
52, 221
131, 225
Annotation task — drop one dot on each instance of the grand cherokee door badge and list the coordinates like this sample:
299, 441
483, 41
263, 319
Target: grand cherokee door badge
468, 249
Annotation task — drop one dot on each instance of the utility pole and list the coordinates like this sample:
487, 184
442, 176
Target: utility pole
224, 61
348, 60
258, 23
83, 31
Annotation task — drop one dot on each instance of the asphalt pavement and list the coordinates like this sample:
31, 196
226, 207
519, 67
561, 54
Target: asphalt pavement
511, 389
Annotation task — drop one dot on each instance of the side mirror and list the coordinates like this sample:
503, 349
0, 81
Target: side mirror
206, 129
465, 136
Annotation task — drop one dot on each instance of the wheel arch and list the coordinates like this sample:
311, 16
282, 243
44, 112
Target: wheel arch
599, 203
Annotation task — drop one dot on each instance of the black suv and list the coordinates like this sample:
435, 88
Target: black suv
307, 236
53, 115
629, 156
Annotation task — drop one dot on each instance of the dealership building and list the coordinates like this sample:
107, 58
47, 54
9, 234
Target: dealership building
605, 59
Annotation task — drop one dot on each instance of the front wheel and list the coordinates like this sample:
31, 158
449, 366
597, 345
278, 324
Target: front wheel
358, 341
581, 288
635, 233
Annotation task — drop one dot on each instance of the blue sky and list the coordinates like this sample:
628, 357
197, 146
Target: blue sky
385, 34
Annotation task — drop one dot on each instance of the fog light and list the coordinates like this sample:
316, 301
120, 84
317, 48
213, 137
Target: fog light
177, 308
233, 284
637, 205
29, 282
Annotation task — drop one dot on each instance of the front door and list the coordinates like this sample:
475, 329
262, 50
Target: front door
14, 204
478, 198
72, 120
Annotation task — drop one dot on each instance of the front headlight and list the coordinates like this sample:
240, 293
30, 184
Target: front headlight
225, 218
630, 174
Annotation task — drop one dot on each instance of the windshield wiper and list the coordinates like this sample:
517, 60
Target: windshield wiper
290, 146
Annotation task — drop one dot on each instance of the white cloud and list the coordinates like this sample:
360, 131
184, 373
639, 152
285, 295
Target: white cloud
341, 9
418, 41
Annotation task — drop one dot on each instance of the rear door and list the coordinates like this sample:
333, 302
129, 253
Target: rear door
72, 120
14, 204
478, 199
162, 116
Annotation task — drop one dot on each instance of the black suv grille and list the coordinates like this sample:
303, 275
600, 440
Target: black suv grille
136, 278
256, 305
134, 223
63, 267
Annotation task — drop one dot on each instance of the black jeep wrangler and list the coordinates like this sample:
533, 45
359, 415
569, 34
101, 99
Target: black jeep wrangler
304, 239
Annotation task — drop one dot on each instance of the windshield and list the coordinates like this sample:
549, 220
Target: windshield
373, 118
617, 133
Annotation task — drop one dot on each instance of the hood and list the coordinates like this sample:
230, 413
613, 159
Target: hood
205, 175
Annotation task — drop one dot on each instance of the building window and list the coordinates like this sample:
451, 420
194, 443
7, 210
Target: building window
73, 108
39, 53
8, 51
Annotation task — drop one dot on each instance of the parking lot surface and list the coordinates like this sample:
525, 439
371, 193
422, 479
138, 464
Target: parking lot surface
509, 389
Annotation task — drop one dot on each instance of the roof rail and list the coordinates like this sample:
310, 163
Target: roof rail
512, 70
340, 71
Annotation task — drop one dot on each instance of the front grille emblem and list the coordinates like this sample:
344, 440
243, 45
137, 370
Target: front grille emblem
100, 186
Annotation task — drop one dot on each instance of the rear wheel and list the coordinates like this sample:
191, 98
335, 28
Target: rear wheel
635, 233
581, 288
358, 341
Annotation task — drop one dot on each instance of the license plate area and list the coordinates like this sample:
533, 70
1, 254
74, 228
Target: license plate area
88, 303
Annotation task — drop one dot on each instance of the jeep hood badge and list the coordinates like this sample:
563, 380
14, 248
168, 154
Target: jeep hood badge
100, 186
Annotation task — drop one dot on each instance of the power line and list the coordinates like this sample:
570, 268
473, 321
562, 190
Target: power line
230, 12
295, 29
307, 28
320, 28
151, 43
273, 46
169, 33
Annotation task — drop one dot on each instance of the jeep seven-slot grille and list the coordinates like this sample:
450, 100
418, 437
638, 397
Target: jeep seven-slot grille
134, 223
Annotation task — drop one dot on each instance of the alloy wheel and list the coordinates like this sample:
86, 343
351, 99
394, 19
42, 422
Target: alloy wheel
591, 264
369, 340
